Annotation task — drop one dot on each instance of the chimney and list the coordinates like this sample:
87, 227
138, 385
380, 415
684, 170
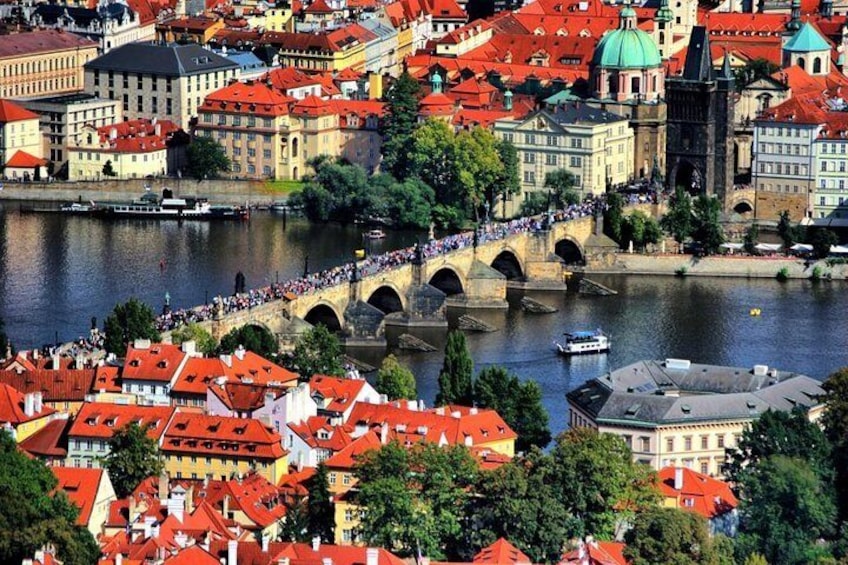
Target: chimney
384, 433
189, 500
269, 398
154, 531
37, 402
29, 404
57, 363
176, 508
227, 360
119, 559
283, 561
239, 352
678, 478
141, 344
266, 540
79, 362
189, 347
316, 543
232, 552
181, 539
225, 506
372, 555
162, 491
327, 561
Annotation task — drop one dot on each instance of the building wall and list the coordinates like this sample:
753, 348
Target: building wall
44, 74
199, 466
253, 144
86, 452
828, 196
784, 168
100, 510
347, 517
23, 135
23, 431
86, 163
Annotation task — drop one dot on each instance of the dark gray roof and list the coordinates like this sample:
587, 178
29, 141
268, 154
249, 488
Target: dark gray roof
172, 60
650, 393
699, 61
578, 112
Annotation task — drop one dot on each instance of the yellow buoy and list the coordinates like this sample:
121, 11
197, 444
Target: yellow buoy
755, 311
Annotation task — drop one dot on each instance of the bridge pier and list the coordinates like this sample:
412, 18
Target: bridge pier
485, 287
543, 269
363, 325
425, 309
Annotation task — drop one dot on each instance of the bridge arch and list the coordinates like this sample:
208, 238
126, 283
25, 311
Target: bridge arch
743, 207
447, 280
508, 264
387, 299
570, 251
324, 314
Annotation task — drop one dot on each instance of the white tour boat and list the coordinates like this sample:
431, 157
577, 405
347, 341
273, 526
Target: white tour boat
583, 343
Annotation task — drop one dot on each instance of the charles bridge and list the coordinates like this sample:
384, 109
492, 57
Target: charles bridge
417, 293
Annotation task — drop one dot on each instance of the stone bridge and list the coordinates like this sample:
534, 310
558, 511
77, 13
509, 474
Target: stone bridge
416, 294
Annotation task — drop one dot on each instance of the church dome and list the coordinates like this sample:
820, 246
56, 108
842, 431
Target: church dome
626, 49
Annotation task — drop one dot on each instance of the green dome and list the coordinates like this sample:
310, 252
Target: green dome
626, 49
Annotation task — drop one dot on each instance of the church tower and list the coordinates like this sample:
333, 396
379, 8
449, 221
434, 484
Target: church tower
664, 30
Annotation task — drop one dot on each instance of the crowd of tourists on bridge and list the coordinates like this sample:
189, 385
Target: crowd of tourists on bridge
370, 266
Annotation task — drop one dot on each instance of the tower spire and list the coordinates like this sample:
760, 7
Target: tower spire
627, 16
794, 23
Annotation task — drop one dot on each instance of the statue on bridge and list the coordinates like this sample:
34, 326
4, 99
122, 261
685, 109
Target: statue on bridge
240, 283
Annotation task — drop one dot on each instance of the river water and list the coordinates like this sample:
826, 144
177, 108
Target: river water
57, 272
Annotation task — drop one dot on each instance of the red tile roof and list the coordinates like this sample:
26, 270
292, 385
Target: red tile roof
50, 441
354, 113
258, 499
318, 7
247, 366
136, 136
338, 393
107, 379
145, 10
501, 553
63, 385
465, 32
11, 112
317, 432
420, 67
189, 24
198, 374
444, 9
12, 406
700, 493
100, 420
158, 363
597, 553
286, 78
194, 555
347, 457
242, 438
23, 160
250, 553
256, 98
436, 104
81, 486
41, 41
799, 109
245, 398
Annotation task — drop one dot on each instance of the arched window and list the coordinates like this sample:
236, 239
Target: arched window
817, 65
800, 63
662, 39
635, 85
613, 84
294, 147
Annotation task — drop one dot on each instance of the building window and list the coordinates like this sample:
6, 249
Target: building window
669, 444
332, 478
575, 161
705, 442
687, 443
644, 443
721, 441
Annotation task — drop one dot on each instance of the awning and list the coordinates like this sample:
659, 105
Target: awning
734, 246
770, 247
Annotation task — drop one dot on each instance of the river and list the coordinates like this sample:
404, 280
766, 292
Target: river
57, 272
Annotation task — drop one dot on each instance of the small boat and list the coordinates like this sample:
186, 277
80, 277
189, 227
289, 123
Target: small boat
279, 206
584, 342
755, 311
76, 208
375, 234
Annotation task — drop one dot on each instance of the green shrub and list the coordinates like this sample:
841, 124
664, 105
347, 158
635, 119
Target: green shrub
783, 274
817, 273
681, 271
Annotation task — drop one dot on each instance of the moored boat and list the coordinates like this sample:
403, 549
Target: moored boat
168, 207
583, 343
375, 234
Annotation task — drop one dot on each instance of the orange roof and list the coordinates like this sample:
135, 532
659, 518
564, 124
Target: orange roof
354, 113
81, 486
465, 32
347, 74
194, 555
243, 438
444, 9
285, 78
420, 66
250, 553
159, 362
338, 393
13, 407
248, 366
316, 431
318, 7
198, 374
100, 420
250, 98
501, 553
26, 43
436, 104
136, 136
62, 385
311, 106
253, 494
107, 379
346, 458
49, 441
798, 109
23, 160
245, 397
597, 553
699, 493
803, 84
11, 112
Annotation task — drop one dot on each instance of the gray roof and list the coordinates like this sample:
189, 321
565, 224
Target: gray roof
579, 112
151, 58
650, 393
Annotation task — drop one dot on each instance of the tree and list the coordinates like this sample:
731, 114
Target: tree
415, 500
477, 167
33, 514
253, 338
678, 220
753, 71
108, 170
294, 527
785, 508
822, 239
395, 380
561, 184
669, 536
320, 511
707, 227
398, 124
455, 378
835, 422
519, 404
338, 191
752, 236
755, 559
193, 331
509, 181
127, 322
613, 216
534, 203
206, 159
409, 204
133, 456
640, 229
790, 234
317, 352
790, 434
598, 481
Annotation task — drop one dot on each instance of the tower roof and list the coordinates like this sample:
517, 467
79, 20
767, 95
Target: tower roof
698, 65
627, 47
806, 40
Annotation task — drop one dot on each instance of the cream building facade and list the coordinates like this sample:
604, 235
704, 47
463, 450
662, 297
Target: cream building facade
677, 413
19, 131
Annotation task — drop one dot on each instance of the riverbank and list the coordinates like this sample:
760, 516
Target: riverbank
739, 266
219, 191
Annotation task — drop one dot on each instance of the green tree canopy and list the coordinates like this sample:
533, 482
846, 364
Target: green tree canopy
399, 123
204, 341
133, 456
508, 182
822, 239
561, 183
253, 338
396, 381
128, 322
32, 515
320, 510
206, 159
639, 228
677, 221
518, 403
669, 536
789, 233
707, 225
613, 216
752, 236
108, 169
835, 422
753, 71
456, 377
294, 526
785, 508
416, 499
337, 191
598, 481
317, 352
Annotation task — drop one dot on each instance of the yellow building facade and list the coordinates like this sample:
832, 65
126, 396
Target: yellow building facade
190, 465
